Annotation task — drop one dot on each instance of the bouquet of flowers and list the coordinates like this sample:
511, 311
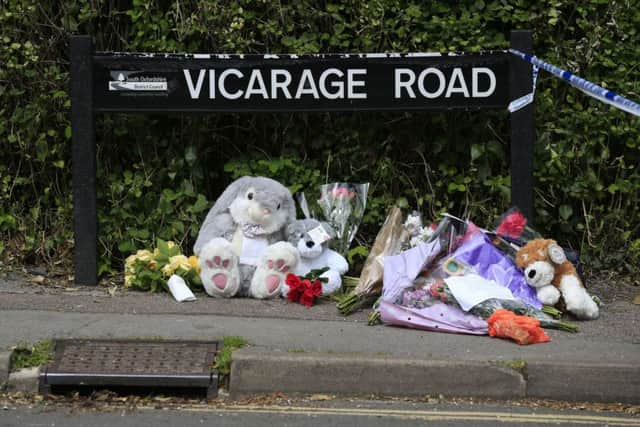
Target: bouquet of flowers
305, 289
342, 205
389, 241
522, 329
438, 291
149, 270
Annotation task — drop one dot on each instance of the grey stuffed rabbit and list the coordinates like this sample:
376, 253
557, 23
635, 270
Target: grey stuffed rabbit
240, 245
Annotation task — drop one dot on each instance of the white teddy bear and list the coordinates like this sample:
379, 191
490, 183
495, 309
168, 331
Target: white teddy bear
240, 246
310, 237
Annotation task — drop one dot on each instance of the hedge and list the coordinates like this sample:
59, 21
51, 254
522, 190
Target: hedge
157, 176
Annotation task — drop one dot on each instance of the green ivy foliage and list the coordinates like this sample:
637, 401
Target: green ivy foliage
158, 175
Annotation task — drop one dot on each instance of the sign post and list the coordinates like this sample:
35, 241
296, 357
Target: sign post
141, 82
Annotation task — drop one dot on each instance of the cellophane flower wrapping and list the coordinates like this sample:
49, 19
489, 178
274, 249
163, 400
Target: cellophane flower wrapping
342, 205
512, 231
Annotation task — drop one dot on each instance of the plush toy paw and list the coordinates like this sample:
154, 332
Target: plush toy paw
278, 260
219, 269
333, 283
577, 300
548, 295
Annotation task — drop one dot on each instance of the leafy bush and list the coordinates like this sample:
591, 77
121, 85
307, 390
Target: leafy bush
158, 175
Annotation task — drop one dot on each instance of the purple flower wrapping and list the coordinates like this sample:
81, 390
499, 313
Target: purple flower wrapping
490, 263
439, 317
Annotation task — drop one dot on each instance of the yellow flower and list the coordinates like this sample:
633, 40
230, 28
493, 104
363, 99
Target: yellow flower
130, 260
127, 280
128, 263
156, 252
144, 255
176, 262
194, 263
170, 244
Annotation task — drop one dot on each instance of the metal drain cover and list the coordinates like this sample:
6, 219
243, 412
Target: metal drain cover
129, 363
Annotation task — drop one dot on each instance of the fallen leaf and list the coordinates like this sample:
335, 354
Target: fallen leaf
320, 397
112, 290
71, 289
636, 300
37, 279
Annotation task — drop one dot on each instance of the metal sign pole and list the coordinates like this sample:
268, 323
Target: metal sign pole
522, 128
85, 218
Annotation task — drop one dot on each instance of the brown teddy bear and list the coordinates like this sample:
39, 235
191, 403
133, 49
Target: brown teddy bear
547, 269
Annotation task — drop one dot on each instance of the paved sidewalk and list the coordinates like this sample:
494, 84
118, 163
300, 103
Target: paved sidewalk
316, 350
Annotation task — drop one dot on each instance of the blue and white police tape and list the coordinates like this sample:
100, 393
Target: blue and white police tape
586, 86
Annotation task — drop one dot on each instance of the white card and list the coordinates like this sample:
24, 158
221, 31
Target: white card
319, 235
471, 289
179, 289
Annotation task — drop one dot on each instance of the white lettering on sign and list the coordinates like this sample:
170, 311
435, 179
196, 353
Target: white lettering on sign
339, 93
405, 82
441, 80
457, 76
351, 84
474, 82
194, 91
223, 88
333, 83
307, 77
256, 77
283, 85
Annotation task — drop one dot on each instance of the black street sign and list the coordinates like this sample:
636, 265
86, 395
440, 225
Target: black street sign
192, 82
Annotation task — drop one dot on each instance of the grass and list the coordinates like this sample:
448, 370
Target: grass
515, 364
223, 358
29, 356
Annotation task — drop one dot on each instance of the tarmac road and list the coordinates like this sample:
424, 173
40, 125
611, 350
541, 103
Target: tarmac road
341, 412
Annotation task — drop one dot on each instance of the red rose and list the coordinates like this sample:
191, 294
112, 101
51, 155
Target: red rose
296, 288
316, 288
512, 225
302, 290
307, 299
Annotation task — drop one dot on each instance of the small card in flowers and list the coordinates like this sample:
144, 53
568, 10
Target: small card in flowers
319, 235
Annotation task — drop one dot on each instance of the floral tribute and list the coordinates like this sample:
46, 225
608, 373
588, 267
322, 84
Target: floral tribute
342, 205
305, 289
149, 270
522, 329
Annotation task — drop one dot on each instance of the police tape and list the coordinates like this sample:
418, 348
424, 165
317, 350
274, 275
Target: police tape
585, 86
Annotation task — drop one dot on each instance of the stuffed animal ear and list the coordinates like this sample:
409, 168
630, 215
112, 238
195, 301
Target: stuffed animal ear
289, 230
556, 253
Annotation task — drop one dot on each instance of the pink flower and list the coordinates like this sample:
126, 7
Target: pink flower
342, 193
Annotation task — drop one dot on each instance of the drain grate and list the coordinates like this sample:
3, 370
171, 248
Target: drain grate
123, 363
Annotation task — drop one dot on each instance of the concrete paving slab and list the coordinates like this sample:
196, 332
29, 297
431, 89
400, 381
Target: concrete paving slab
254, 370
584, 382
25, 380
5, 361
